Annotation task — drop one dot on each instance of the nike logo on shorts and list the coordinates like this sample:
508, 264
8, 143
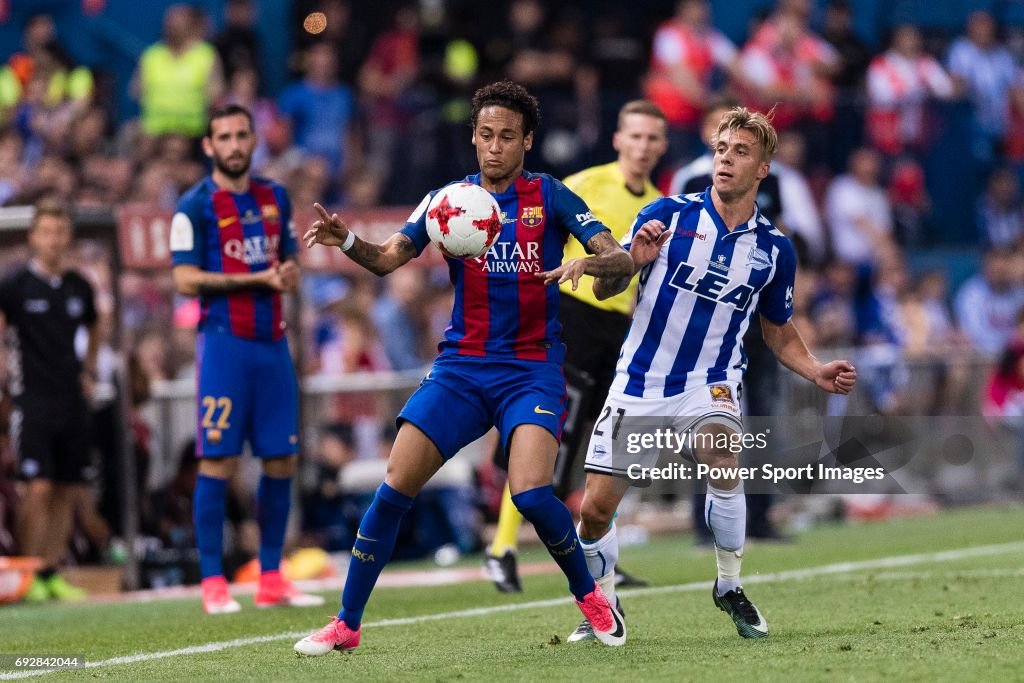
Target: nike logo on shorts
541, 411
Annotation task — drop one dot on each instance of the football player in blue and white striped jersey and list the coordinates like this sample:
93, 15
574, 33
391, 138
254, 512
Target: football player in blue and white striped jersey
708, 262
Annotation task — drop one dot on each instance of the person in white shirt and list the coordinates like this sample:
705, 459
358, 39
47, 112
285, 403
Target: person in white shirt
858, 211
799, 216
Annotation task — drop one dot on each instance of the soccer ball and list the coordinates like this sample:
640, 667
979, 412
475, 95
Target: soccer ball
463, 220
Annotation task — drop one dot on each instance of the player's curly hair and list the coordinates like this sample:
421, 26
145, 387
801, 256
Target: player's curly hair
509, 95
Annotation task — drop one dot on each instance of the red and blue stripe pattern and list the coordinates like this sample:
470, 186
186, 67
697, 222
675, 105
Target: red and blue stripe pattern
502, 309
245, 236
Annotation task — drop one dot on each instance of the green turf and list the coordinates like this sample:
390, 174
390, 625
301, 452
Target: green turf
949, 620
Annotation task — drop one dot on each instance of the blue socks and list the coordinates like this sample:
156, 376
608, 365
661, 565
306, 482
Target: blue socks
555, 527
208, 516
375, 541
273, 498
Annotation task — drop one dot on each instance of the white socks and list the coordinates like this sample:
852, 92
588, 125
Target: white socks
602, 555
726, 515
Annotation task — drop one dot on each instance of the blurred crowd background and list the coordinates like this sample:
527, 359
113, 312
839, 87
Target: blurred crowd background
899, 171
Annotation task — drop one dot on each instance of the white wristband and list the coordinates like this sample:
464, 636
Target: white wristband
349, 241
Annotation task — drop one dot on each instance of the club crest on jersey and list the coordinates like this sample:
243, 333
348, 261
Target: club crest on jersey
720, 392
712, 285
758, 259
532, 216
269, 212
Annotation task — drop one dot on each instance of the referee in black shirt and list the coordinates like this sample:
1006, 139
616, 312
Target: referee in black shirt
43, 306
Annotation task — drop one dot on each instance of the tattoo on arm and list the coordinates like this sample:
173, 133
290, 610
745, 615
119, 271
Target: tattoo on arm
225, 283
601, 242
612, 266
610, 260
381, 259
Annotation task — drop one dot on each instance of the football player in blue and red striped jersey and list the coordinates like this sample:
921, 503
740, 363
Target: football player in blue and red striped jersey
232, 243
499, 362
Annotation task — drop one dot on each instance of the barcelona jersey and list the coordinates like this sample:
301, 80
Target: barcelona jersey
502, 309
221, 231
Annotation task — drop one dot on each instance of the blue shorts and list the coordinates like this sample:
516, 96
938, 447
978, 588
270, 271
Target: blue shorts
247, 391
464, 396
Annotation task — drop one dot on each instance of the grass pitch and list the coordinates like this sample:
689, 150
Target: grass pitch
890, 603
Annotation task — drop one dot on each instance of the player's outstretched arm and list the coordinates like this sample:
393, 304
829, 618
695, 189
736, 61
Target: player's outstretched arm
643, 249
835, 377
379, 259
610, 263
192, 280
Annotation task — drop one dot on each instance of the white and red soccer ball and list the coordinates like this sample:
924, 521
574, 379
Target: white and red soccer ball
463, 220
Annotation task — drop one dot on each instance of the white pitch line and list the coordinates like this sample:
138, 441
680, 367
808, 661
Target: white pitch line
775, 577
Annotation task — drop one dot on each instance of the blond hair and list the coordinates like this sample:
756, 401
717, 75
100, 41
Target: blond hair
757, 124
645, 107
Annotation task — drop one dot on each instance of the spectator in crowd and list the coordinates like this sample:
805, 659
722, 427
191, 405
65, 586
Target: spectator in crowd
12, 171
544, 51
45, 62
933, 292
44, 305
237, 43
799, 218
386, 80
900, 81
911, 205
787, 66
853, 53
687, 56
858, 211
987, 305
1000, 216
321, 112
53, 177
983, 70
1002, 400
833, 307
398, 316
178, 78
349, 37
87, 134
529, 54
847, 131
329, 517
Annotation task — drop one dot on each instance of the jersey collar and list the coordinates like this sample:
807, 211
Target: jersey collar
37, 270
751, 225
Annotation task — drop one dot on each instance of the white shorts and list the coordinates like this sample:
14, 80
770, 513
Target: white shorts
631, 430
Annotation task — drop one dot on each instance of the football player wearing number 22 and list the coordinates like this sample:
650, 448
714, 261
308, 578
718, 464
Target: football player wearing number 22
232, 244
